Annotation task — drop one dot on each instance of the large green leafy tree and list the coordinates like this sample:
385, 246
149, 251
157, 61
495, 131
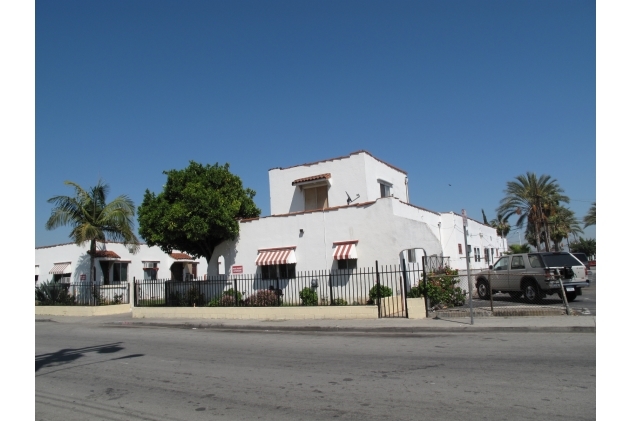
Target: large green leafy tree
534, 199
93, 219
197, 210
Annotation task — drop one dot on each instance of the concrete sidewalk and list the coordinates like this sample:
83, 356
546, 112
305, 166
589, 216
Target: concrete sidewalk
585, 324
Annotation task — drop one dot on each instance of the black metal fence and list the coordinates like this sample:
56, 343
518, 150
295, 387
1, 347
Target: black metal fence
81, 294
386, 287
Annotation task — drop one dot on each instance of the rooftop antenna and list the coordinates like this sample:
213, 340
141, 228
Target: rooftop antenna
349, 200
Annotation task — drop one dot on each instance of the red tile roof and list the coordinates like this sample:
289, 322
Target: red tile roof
312, 178
180, 256
105, 254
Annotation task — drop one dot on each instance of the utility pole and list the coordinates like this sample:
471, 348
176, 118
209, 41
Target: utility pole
466, 247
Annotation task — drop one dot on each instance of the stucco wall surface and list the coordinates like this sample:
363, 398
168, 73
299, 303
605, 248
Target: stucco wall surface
258, 313
356, 174
82, 311
381, 237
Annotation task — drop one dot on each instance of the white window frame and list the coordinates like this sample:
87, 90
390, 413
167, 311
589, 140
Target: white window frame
385, 188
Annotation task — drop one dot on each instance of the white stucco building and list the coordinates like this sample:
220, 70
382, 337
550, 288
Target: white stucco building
113, 264
346, 212
341, 213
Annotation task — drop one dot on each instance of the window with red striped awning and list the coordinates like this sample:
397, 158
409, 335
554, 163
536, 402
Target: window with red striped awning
276, 256
345, 250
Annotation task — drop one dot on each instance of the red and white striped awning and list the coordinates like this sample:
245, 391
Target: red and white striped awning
60, 268
276, 256
345, 250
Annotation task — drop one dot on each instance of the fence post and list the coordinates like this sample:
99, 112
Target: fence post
331, 277
277, 292
132, 292
378, 290
236, 293
425, 288
490, 291
405, 287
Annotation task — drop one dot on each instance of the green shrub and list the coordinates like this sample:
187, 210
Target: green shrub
309, 297
339, 302
227, 299
263, 298
231, 293
50, 293
384, 292
441, 289
194, 298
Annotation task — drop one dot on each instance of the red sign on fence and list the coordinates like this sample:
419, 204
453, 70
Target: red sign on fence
237, 269
82, 277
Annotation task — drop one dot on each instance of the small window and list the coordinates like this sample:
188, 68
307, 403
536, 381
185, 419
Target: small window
411, 256
459, 248
517, 263
63, 278
535, 261
286, 271
119, 273
477, 254
316, 198
350, 264
501, 264
385, 190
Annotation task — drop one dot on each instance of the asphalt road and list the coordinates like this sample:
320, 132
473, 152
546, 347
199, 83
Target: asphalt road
85, 371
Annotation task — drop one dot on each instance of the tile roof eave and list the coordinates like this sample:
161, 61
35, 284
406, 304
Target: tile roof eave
334, 208
342, 157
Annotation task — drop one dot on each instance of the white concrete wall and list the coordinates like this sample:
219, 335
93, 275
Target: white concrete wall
376, 170
354, 174
46, 257
381, 236
480, 236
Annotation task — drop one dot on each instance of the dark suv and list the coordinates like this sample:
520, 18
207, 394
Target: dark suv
534, 275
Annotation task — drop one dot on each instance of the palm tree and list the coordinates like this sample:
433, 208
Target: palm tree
563, 223
93, 219
534, 200
590, 218
501, 225
519, 248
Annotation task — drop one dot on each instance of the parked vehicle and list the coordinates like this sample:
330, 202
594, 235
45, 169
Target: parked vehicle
583, 258
534, 275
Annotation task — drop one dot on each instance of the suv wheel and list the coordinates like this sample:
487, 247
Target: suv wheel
483, 289
531, 292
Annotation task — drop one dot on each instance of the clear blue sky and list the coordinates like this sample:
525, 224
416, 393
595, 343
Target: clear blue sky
467, 93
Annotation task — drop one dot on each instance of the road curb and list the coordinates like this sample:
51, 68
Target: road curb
366, 330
